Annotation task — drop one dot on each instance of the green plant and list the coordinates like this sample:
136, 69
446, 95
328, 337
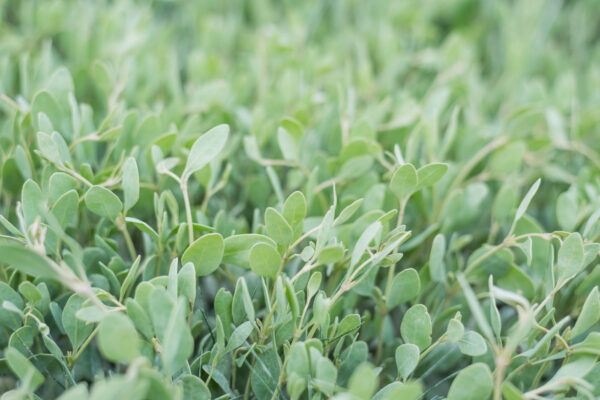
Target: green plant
299, 200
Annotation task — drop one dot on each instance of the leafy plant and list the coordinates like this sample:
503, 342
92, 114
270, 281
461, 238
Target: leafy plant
299, 200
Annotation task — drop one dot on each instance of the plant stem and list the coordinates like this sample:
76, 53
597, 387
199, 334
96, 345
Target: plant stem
85, 344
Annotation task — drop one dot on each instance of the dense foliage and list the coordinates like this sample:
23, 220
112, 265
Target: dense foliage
299, 200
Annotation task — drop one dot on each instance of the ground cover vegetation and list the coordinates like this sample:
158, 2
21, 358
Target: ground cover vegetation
299, 200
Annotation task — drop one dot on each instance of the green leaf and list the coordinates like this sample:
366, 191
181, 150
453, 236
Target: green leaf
23, 368
472, 344
526, 200
264, 260
570, 257
48, 148
103, 202
186, 282
404, 181
239, 336
294, 208
194, 388
348, 212
118, 340
31, 201
205, 149
429, 174
77, 330
455, 330
130, 183
206, 253
363, 242
277, 227
331, 254
237, 248
363, 382
472, 383
348, 324
30, 292
406, 286
437, 269
416, 326
589, 315
407, 358
65, 208
27, 261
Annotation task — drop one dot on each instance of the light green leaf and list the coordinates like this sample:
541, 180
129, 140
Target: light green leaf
239, 336
472, 383
363, 242
264, 260
205, 253
277, 227
472, 344
294, 208
437, 269
186, 282
130, 183
589, 315
416, 326
404, 181
205, 149
570, 257
407, 358
405, 286
27, 261
526, 200
117, 338
429, 174
65, 208
23, 368
103, 202
363, 382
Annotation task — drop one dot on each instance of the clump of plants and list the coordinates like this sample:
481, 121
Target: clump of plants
299, 200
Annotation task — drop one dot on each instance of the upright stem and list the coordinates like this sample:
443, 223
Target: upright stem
188, 210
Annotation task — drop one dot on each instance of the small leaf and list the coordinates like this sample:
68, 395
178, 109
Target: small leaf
472, 344
526, 200
363, 382
404, 181
205, 149
103, 202
416, 326
23, 368
348, 324
48, 148
117, 338
455, 330
472, 383
590, 313
277, 227
264, 260
205, 253
405, 286
570, 257
348, 212
294, 208
363, 242
65, 208
437, 268
429, 174
407, 358
27, 261
239, 336
186, 282
130, 183
331, 254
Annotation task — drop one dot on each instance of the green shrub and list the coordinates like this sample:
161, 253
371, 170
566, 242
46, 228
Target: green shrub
299, 200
